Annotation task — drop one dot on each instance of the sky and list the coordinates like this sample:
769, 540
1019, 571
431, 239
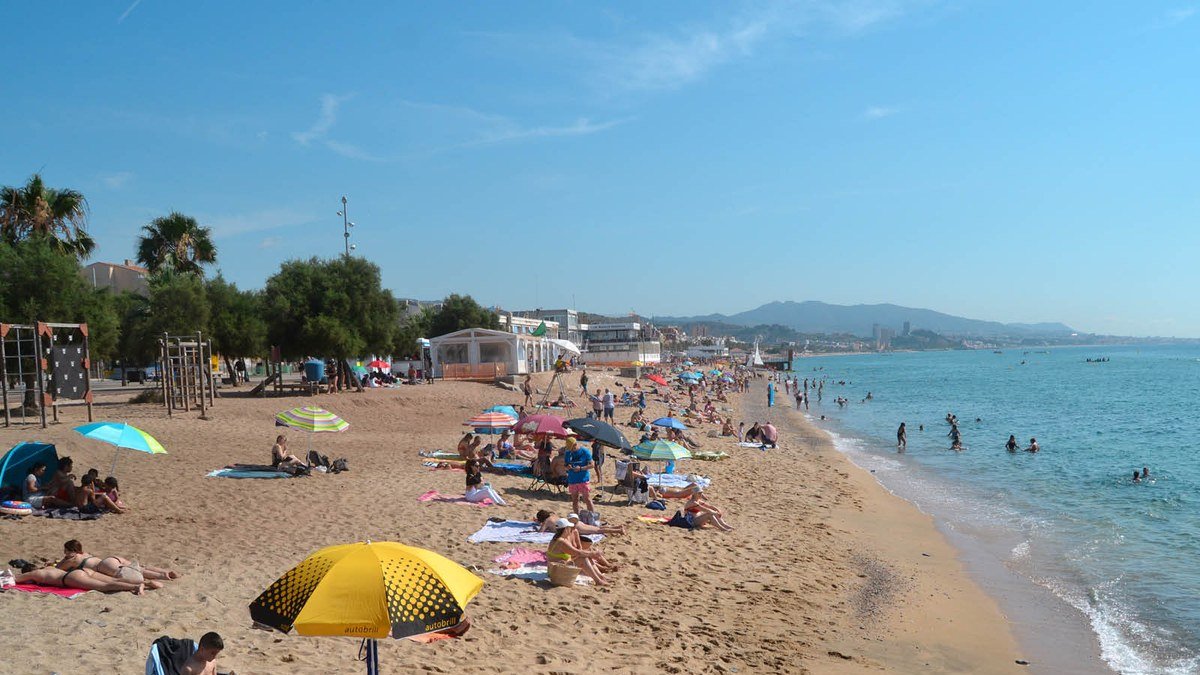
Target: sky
1010, 161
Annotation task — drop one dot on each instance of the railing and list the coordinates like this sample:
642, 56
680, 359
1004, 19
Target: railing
467, 371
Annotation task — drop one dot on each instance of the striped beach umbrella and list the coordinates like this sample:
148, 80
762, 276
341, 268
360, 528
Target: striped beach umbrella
660, 450
311, 419
368, 590
491, 422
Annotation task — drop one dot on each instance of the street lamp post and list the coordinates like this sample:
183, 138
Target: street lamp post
346, 225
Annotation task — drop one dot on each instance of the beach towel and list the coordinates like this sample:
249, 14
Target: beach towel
443, 466
745, 444
439, 454
67, 514
709, 456
435, 496
247, 473
674, 480
536, 573
515, 532
516, 557
67, 593
520, 468
654, 520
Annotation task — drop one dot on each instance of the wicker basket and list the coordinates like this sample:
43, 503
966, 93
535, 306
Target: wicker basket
563, 574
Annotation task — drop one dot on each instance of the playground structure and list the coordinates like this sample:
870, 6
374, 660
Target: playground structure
186, 376
53, 358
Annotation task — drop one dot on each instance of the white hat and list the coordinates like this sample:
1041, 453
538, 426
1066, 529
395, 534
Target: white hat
562, 522
572, 516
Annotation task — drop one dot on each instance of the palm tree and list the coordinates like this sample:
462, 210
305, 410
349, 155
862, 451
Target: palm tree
39, 211
176, 242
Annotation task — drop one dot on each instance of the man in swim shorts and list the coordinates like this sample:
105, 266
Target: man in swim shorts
579, 476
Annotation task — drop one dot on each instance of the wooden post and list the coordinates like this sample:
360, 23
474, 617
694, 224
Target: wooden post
37, 362
4, 374
201, 373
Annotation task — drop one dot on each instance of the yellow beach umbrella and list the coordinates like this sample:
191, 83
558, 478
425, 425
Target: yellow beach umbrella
368, 590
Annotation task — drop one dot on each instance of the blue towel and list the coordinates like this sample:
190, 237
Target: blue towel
243, 473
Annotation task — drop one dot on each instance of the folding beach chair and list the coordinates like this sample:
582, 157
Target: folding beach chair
541, 477
629, 484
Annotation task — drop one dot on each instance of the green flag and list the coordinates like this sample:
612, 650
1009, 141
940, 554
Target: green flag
540, 330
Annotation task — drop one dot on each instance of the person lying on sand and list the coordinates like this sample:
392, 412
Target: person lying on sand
83, 579
563, 550
74, 558
700, 513
282, 459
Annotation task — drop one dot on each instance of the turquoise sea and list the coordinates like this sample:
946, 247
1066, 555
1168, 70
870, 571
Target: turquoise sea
1126, 555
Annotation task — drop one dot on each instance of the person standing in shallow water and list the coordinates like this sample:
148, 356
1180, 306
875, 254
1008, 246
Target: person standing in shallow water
901, 438
1011, 445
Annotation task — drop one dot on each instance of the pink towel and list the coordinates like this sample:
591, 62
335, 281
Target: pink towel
50, 590
521, 556
435, 496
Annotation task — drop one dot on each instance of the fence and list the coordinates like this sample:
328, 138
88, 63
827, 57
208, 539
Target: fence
468, 371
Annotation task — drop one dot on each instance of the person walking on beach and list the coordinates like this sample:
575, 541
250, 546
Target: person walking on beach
527, 388
583, 380
901, 438
799, 399
610, 405
770, 394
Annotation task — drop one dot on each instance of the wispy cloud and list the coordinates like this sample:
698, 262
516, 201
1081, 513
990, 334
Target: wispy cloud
270, 242
672, 59
128, 11
325, 119
232, 225
1178, 15
878, 112
116, 180
457, 127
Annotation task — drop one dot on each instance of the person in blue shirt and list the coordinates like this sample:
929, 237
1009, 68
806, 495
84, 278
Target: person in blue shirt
579, 476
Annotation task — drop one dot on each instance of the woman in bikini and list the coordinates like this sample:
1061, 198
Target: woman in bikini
562, 550
75, 558
83, 579
700, 512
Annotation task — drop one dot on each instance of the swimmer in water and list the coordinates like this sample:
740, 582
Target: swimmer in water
1011, 445
921, 427
1137, 477
1145, 473
956, 445
1033, 446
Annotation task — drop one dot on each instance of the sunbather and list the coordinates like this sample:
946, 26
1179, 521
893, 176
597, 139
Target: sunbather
562, 550
204, 660
32, 491
83, 579
558, 466
468, 444
112, 490
283, 460
74, 558
547, 523
700, 512
727, 428
477, 490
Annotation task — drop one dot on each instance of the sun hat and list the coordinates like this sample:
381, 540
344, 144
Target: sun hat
563, 523
572, 516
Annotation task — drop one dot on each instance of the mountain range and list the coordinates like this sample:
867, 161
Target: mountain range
820, 317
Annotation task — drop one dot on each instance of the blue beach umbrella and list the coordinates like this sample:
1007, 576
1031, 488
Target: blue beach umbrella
122, 436
670, 423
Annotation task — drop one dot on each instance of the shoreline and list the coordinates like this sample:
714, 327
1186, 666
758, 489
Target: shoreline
1052, 631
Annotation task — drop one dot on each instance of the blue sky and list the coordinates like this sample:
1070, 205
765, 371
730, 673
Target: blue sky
1015, 161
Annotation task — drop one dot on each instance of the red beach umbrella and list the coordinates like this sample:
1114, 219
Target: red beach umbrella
379, 364
551, 425
658, 379
491, 420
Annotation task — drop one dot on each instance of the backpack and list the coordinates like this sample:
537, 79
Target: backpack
339, 465
317, 459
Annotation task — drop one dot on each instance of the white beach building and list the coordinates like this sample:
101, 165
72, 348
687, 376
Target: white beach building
483, 354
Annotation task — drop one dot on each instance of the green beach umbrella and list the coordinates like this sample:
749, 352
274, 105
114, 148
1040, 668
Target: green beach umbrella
122, 436
660, 450
311, 419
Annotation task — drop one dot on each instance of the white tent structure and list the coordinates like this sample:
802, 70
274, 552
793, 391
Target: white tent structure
480, 353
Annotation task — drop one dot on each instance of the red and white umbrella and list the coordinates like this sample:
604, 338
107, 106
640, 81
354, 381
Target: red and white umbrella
377, 363
491, 420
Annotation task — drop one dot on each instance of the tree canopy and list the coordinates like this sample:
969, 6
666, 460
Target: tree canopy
178, 243
459, 312
37, 211
235, 322
332, 308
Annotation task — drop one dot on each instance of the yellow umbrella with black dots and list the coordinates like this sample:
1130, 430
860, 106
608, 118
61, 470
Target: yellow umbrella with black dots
368, 590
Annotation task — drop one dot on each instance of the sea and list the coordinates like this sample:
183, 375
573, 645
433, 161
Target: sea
1069, 519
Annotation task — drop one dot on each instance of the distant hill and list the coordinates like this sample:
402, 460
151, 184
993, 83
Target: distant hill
819, 317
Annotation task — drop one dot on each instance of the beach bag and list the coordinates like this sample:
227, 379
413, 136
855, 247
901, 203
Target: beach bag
339, 465
680, 520
562, 574
317, 459
657, 505
590, 518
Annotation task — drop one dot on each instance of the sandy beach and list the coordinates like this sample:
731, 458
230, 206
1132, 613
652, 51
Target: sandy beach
826, 572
